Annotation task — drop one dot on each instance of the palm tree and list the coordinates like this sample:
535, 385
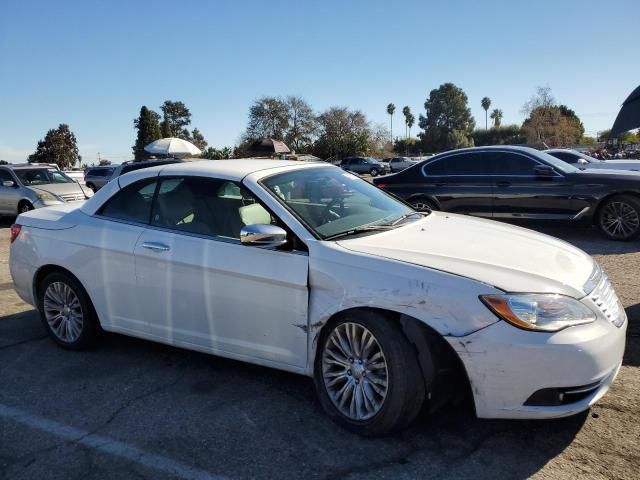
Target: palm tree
486, 103
496, 116
406, 111
410, 121
391, 108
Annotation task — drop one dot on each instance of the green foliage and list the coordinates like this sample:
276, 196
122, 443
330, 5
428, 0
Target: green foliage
104, 163
486, 103
148, 131
407, 146
448, 123
302, 125
175, 119
342, 132
59, 146
211, 153
268, 118
548, 123
197, 138
496, 116
507, 135
571, 115
391, 109
4, 162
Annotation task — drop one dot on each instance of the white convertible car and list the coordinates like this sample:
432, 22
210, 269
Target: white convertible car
307, 268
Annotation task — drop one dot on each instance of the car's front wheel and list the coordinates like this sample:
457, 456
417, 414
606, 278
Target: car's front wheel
373, 172
619, 217
422, 205
24, 207
66, 311
367, 374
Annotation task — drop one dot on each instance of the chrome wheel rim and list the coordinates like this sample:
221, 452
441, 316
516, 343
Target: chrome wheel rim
420, 206
25, 208
619, 219
63, 312
374, 172
354, 370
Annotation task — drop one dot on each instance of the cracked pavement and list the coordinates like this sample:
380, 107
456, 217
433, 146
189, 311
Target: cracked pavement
236, 420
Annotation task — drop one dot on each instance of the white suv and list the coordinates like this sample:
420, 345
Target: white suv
307, 268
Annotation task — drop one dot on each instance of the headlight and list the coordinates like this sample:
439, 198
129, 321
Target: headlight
46, 197
539, 312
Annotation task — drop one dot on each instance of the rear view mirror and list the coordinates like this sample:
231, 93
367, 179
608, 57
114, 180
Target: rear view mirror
582, 161
544, 171
8, 183
264, 236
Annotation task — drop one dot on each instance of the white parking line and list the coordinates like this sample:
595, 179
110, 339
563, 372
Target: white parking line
106, 445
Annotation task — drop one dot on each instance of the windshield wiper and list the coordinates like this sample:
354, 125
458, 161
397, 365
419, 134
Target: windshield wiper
363, 229
405, 216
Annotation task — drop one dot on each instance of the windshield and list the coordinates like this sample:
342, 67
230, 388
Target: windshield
564, 167
41, 176
332, 202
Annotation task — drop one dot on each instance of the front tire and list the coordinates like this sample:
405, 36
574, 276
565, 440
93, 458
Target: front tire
66, 311
367, 374
373, 172
422, 205
619, 217
24, 207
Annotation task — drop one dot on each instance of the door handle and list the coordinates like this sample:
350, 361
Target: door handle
503, 184
157, 247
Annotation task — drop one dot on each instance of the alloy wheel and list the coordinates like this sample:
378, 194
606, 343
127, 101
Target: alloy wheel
25, 208
63, 312
354, 371
620, 220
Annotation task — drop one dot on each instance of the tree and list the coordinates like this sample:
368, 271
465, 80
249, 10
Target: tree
507, 135
496, 116
391, 109
448, 122
59, 146
104, 162
571, 115
410, 121
148, 131
486, 103
268, 117
546, 122
406, 111
175, 119
197, 138
302, 124
4, 162
342, 132
215, 154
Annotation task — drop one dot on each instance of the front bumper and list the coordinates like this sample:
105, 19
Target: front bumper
506, 366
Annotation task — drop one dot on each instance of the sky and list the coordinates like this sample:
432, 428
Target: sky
92, 64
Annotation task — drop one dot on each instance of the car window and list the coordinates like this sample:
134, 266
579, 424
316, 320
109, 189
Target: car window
330, 201
5, 176
132, 203
42, 176
567, 157
207, 207
462, 164
507, 163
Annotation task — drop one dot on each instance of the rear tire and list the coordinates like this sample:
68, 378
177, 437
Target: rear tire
66, 311
422, 205
372, 390
373, 172
619, 217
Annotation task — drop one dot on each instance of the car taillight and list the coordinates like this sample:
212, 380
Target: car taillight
381, 185
15, 231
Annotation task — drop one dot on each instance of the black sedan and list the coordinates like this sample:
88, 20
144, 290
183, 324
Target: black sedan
521, 183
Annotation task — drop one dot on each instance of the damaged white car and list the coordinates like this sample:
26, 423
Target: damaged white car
307, 268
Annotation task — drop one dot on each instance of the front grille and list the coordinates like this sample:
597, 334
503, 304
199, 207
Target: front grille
606, 300
72, 197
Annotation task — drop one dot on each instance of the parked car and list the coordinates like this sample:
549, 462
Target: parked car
398, 164
364, 165
77, 175
306, 268
521, 183
582, 161
97, 177
27, 186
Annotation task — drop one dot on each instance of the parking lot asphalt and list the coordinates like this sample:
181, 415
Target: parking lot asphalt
135, 409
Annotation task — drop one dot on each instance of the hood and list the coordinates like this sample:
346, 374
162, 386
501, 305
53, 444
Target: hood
513, 259
608, 174
60, 189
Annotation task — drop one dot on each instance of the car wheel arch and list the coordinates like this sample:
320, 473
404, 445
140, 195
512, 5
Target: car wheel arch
421, 196
45, 270
424, 338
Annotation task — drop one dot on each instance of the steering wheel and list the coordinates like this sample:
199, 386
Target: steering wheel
329, 215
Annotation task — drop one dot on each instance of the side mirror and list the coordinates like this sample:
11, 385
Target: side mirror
544, 171
263, 236
582, 161
8, 183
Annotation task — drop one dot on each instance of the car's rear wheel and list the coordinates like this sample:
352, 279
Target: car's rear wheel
422, 205
373, 172
92, 187
619, 217
67, 312
24, 207
367, 374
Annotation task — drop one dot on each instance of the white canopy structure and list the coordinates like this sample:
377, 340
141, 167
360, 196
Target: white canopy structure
175, 147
